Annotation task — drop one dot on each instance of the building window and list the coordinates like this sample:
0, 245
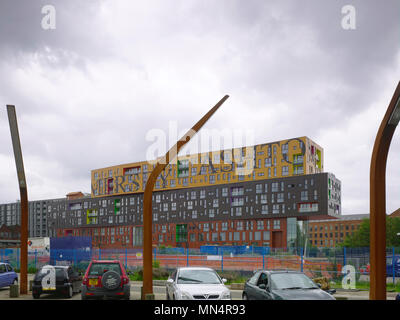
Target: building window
304, 195
263, 199
264, 209
277, 224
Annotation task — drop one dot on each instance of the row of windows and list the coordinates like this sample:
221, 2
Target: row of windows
216, 158
321, 235
336, 227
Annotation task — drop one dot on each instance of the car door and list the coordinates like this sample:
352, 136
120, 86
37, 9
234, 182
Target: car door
262, 293
250, 286
3, 276
10, 274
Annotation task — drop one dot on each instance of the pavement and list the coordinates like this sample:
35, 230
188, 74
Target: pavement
160, 293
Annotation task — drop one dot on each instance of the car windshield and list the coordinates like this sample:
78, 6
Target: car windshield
283, 281
97, 269
198, 276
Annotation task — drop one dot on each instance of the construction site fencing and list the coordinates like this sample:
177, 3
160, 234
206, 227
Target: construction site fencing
333, 264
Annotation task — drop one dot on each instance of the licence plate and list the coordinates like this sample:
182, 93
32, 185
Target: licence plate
93, 282
49, 289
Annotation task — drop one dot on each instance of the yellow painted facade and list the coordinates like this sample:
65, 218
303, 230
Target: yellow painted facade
297, 156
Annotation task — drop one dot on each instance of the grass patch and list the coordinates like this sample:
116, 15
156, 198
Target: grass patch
365, 285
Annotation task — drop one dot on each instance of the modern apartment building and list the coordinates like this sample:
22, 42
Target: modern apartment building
264, 213
259, 195
255, 195
10, 215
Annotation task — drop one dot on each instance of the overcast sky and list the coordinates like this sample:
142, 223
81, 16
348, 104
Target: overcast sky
89, 91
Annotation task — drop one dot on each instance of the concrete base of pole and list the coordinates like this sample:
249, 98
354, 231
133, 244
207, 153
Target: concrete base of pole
14, 291
149, 296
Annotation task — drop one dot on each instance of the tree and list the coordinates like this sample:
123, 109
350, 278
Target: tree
362, 236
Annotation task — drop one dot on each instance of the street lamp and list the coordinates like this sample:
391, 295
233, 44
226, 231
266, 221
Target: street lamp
378, 197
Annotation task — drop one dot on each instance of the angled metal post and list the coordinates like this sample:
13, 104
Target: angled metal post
12, 118
378, 198
148, 195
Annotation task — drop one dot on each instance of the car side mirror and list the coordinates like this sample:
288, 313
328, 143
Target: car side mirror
170, 280
262, 286
319, 285
224, 280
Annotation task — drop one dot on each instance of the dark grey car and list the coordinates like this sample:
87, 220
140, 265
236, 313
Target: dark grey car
283, 285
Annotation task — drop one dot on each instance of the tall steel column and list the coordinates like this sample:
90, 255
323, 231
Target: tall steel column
378, 198
12, 119
148, 195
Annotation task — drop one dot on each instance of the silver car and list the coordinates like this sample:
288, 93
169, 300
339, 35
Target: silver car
196, 283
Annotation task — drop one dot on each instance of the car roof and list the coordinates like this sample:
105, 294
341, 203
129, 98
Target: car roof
195, 268
278, 271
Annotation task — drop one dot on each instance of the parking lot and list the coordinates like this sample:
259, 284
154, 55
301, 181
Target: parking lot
159, 292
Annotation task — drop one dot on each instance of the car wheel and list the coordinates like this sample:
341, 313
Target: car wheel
70, 292
245, 297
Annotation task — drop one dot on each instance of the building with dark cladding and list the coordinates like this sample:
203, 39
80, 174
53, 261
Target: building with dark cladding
262, 195
262, 213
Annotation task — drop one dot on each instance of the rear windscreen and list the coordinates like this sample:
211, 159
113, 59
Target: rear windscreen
98, 269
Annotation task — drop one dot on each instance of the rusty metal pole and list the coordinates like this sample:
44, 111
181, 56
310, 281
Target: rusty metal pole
378, 198
12, 119
148, 195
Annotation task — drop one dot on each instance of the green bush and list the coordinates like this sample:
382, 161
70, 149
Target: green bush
158, 274
32, 270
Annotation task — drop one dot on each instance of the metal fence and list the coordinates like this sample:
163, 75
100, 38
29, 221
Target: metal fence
328, 262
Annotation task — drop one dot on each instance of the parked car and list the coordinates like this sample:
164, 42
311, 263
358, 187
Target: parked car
7, 275
105, 278
282, 285
56, 279
193, 283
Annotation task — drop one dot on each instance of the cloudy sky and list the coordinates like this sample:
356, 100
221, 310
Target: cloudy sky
88, 92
